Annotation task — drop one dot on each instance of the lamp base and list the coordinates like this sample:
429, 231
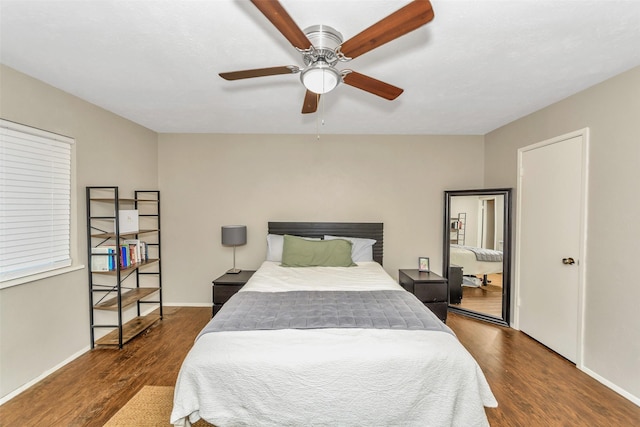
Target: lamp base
234, 271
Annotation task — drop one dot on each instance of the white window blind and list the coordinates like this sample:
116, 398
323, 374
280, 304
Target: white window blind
35, 201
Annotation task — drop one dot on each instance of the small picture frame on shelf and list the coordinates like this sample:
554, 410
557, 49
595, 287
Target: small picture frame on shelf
423, 264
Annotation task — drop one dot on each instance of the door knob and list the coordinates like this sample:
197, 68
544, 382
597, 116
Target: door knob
568, 261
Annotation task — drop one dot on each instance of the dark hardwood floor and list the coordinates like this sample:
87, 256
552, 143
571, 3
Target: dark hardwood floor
484, 299
91, 389
533, 385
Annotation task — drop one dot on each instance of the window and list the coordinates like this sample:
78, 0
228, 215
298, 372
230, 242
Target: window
35, 201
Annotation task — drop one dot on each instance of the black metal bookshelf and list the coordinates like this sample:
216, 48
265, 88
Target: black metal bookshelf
117, 287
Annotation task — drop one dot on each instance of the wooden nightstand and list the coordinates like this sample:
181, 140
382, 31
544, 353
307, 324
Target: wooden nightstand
225, 286
429, 288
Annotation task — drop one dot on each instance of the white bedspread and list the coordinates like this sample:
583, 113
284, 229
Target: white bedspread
330, 377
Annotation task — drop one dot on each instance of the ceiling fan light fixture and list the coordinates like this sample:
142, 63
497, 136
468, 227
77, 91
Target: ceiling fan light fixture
320, 77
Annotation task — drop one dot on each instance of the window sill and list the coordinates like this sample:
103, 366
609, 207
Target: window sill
40, 276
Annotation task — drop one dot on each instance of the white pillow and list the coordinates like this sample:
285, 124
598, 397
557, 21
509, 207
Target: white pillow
362, 249
275, 243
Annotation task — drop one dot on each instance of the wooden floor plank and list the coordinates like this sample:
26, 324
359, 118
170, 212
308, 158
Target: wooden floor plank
89, 390
533, 385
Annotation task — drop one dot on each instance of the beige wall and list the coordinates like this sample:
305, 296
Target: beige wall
44, 323
611, 110
212, 180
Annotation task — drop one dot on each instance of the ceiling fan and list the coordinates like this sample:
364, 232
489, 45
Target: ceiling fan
322, 48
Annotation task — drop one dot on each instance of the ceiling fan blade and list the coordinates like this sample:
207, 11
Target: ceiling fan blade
310, 102
371, 85
279, 17
260, 72
404, 20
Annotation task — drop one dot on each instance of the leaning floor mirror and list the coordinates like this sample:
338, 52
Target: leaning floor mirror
476, 252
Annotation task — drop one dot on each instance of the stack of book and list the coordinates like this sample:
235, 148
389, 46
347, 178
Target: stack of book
136, 251
132, 252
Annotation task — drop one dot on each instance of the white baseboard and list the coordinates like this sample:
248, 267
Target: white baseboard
42, 376
622, 392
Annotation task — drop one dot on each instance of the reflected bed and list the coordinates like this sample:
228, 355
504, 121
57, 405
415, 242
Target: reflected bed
472, 265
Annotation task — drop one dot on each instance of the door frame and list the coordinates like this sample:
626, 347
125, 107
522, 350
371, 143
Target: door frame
582, 264
483, 222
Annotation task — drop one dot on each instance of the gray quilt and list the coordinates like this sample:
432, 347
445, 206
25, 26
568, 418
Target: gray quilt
387, 309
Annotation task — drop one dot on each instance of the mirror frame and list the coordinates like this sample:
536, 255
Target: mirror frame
506, 254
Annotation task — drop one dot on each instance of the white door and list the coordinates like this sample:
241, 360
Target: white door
550, 239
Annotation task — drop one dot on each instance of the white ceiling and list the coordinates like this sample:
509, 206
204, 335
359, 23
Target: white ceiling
478, 65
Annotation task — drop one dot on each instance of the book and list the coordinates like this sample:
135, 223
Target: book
144, 254
135, 249
102, 258
124, 256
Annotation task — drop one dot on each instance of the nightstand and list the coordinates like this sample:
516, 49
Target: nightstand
455, 284
225, 286
429, 288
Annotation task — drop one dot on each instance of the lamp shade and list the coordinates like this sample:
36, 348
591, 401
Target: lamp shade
234, 235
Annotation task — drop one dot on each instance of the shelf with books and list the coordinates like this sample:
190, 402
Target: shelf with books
457, 229
123, 236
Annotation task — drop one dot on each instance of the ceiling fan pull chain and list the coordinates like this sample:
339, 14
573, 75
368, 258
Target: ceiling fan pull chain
317, 121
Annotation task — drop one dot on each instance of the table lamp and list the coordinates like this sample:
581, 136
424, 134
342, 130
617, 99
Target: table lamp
234, 235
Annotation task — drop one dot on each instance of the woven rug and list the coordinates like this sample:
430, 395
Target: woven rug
150, 407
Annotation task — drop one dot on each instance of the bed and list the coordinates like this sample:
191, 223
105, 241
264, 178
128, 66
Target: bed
412, 372
476, 261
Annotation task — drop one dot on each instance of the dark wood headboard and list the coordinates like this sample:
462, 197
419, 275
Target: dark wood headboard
366, 230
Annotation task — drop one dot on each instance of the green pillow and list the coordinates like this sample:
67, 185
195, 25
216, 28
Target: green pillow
298, 252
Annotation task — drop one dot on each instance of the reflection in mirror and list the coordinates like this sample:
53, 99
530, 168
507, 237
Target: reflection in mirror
476, 252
